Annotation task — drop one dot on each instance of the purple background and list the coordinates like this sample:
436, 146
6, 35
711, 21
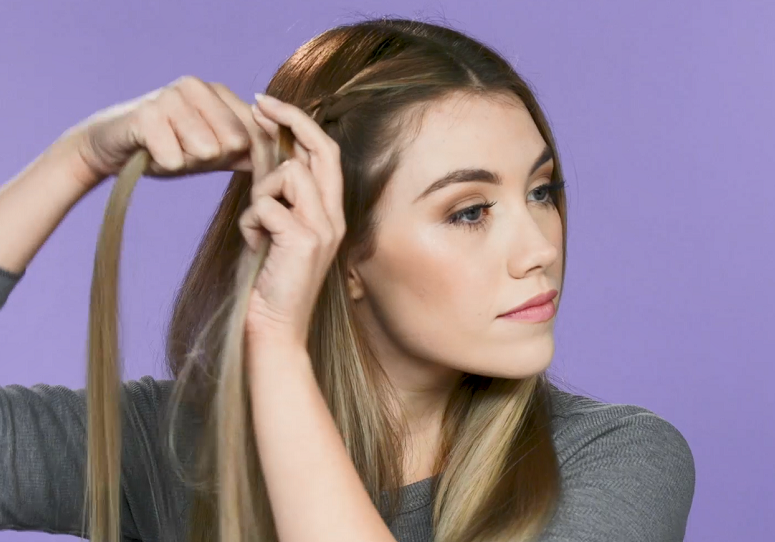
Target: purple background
664, 115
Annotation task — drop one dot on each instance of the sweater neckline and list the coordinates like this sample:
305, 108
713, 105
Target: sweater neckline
414, 496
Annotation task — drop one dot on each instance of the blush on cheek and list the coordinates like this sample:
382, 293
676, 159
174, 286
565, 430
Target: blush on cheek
414, 266
416, 293
431, 293
432, 284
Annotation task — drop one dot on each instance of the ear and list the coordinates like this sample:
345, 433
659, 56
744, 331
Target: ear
354, 283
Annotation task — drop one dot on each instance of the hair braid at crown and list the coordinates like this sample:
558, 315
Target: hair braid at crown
332, 107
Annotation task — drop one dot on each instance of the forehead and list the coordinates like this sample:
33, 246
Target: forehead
465, 131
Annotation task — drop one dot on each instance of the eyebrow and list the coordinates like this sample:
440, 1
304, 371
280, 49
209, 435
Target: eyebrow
480, 175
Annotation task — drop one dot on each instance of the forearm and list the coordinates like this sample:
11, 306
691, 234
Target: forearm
315, 492
34, 202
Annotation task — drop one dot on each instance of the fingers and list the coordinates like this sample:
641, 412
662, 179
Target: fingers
230, 132
294, 182
259, 138
150, 129
241, 111
306, 130
267, 213
270, 126
186, 126
196, 136
215, 129
273, 130
287, 232
324, 154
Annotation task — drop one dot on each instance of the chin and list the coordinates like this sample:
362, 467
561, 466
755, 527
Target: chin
512, 372
512, 361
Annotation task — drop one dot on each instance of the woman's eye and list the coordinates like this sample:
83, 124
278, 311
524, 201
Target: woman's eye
543, 190
470, 212
476, 217
551, 189
469, 216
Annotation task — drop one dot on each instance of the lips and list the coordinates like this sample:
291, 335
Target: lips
534, 302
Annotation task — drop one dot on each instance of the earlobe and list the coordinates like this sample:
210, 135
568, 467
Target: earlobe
354, 284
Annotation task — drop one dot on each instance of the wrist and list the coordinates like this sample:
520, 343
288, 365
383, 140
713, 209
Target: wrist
277, 354
284, 350
68, 150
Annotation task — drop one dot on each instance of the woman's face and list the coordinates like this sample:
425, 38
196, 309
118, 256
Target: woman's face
432, 293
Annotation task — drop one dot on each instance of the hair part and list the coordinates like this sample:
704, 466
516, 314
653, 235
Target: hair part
368, 85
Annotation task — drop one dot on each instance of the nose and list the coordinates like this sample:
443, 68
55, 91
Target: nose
530, 246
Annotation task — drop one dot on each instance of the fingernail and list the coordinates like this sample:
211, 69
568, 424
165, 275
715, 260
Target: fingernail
259, 96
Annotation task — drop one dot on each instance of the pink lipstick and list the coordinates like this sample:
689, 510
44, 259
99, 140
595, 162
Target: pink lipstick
537, 309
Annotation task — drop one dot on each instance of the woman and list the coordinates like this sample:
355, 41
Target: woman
387, 347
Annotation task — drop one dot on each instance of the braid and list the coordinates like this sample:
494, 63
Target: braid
326, 111
332, 107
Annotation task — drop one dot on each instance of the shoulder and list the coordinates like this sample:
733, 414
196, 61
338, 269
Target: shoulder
580, 422
156, 495
148, 393
622, 466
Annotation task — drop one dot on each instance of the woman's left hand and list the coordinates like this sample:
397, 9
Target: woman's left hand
304, 237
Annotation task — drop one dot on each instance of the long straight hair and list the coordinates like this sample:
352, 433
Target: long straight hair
497, 477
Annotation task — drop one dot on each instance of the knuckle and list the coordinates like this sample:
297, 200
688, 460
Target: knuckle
258, 190
187, 82
170, 98
340, 228
244, 218
236, 140
329, 237
293, 165
261, 202
148, 115
309, 241
222, 91
178, 80
208, 151
266, 204
154, 98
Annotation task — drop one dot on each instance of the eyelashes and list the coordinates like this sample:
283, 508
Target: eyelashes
458, 219
553, 188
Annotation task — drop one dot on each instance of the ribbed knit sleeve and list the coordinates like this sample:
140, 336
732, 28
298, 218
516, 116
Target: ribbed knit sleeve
7, 282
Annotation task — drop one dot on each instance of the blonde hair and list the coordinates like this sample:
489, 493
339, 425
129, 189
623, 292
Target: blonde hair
498, 477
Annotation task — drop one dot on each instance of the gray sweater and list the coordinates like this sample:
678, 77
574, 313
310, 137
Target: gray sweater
627, 474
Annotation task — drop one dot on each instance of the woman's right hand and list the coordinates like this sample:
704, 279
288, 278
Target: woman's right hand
188, 126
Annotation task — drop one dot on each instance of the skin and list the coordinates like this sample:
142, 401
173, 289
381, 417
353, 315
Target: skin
432, 292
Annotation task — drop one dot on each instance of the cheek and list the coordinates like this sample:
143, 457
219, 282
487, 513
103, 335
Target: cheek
429, 294
426, 274
435, 298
